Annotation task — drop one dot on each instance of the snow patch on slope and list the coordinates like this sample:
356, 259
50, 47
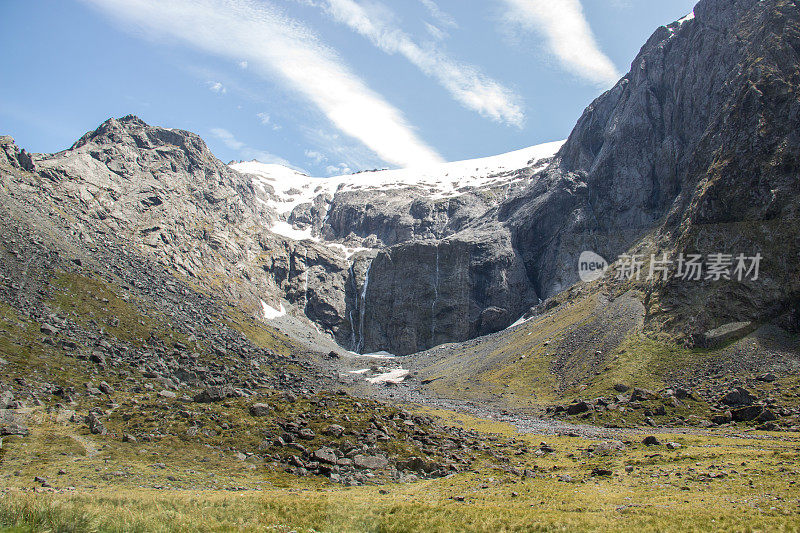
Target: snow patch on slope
395, 377
270, 313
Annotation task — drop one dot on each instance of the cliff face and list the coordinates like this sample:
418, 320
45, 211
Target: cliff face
695, 150
423, 294
696, 147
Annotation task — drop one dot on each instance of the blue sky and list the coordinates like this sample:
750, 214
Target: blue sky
327, 86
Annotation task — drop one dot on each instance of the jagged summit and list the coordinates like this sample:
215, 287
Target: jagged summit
133, 131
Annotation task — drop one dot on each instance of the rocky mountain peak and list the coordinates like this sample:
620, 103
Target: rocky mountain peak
697, 125
132, 130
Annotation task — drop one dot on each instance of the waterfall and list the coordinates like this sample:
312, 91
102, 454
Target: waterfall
353, 340
435, 296
362, 310
305, 292
353, 332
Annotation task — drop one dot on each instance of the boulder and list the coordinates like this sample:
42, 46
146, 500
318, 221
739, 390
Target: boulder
96, 425
418, 464
748, 413
306, 434
6, 399
641, 395
334, 430
725, 333
214, 394
722, 418
650, 440
259, 409
738, 396
607, 447
577, 408
370, 462
9, 425
325, 455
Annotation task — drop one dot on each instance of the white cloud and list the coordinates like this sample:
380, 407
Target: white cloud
441, 17
338, 170
216, 87
465, 83
436, 32
276, 46
342, 151
316, 157
246, 152
264, 118
568, 34
227, 138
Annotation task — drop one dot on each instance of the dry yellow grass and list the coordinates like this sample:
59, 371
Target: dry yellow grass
710, 483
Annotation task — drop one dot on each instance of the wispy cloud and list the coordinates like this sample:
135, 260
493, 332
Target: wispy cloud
216, 87
277, 46
464, 82
316, 157
568, 34
436, 12
264, 118
246, 152
227, 138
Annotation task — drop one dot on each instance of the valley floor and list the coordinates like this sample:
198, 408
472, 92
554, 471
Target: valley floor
700, 481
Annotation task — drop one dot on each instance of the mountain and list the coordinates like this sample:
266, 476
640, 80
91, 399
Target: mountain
692, 152
396, 220
173, 329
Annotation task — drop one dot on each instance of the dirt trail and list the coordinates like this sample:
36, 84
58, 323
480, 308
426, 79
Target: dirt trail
87, 444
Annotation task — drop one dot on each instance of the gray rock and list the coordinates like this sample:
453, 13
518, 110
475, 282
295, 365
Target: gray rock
650, 440
96, 425
745, 414
306, 434
577, 408
608, 447
259, 409
48, 329
370, 462
6, 399
334, 430
214, 394
641, 395
9, 425
419, 465
725, 333
325, 455
738, 396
